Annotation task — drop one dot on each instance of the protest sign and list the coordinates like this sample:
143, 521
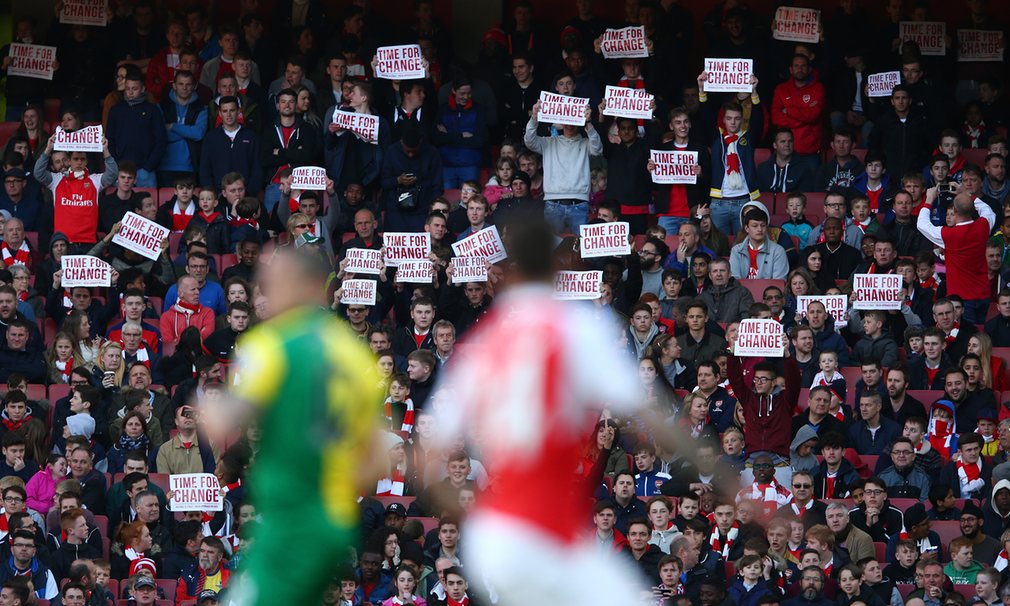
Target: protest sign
358, 292
469, 269
623, 102
729, 75
31, 61
88, 139
674, 166
877, 291
365, 126
403, 62
624, 43
604, 240
578, 285
979, 45
561, 109
141, 236
308, 178
363, 261
84, 270
836, 305
195, 492
415, 272
760, 338
931, 36
406, 246
797, 24
881, 85
85, 12
485, 244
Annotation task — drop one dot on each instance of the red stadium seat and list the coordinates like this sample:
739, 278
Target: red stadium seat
947, 531
905, 589
58, 391
160, 480
975, 156
815, 206
452, 195
926, 396
168, 586
106, 543
102, 523
880, 551
33, 242
851, 374
761, 154
968, 591
1002, 352
7, 130
672, 240
165, 194
227, 261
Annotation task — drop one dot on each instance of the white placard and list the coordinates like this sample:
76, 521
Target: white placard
85, 12
141, 236
877, 291
406, 246
979, 45
358, 292
674, 166
881, 85
931, 36
31, 61
485, 244
195, 492
625, 102
308, 178
578, 285
363, 261
560, 109
88, 139
84, 270
604, 240
415, 272
469, 269
760, 338
402, 62
365, 126
797, 24
835, 305
729, 75
624, 43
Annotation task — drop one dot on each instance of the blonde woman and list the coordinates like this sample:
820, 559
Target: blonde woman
109, 367
994, 371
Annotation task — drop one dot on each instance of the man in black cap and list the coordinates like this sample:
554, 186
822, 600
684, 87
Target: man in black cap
145, 591
396, 516
917, 529
984, 547
207, 597
20, 201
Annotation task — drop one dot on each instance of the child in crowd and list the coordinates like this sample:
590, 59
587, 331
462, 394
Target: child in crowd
687, 509
829, 377
598, 190
941, 435
862, 217
926, 458
797, 226
733, 449
941, 496
103, 572
902, 570
398, 408
987, 429
211, 222
670, 568
913, 342
874, 183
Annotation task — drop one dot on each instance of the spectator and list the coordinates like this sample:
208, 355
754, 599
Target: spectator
839, 173
210, 571
873, 433
800, 104
566, 171
230, 148
460, 133
901, 134
629, 180
162, 67
187, 311
136, 131
21, 201
290, 143
727, 299
757, 256
186, 123
903, 478
780, 173
411, 180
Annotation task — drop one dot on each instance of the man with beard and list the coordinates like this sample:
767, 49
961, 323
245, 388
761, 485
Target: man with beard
984, 547
811, 589
900, 406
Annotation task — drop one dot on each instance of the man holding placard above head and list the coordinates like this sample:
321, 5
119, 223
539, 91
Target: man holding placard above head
964, 245
75, 194
734, 178
566, 170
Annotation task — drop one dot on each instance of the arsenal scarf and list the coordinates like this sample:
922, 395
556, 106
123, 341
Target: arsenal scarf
182, 216
733, 178
408, 417
142, 356
186, 308
64, 367
1001, 561
969, 475
953, 333
719, 544
391, 486
21, 255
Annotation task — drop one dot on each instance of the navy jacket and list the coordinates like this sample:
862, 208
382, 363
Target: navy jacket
866, 443
137, 133
456, 149
220, 156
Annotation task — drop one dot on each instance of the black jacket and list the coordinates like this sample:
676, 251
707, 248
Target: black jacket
304, 148
905, 144
890, 522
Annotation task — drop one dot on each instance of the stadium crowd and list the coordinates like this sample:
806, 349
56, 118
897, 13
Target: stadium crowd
868, 465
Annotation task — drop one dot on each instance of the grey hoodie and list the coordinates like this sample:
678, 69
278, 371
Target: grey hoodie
566, 161
809, 462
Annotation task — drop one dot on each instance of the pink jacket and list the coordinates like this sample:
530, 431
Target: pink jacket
173, 322
41, 488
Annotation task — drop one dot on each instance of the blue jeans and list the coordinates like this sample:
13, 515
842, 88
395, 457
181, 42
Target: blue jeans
671, 224
975, 311
146, 178
726, 215
566, 218
453, 176
271, 196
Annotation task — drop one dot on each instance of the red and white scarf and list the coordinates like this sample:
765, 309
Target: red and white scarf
182, 216
1001, 561
138, 561
407, 425
970, 476
186, 308
142, 356
733, 178
466, 599
799, 513
65, 368
391, 486
952, 336
719, 544
973, 134
772, 495
21, 255
239, 221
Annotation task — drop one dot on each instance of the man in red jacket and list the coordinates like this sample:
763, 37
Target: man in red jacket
964, 246
799, 104
767, 410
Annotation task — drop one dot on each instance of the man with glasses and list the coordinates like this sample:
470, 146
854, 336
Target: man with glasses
875, 515
809, 510
206, 573
766, 489
836, 207
811, 589
24, 563
24, 203
653, 252
903, 479
211, 293
135, 349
